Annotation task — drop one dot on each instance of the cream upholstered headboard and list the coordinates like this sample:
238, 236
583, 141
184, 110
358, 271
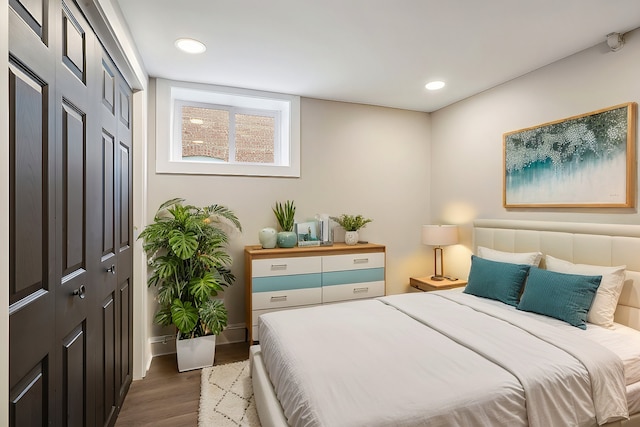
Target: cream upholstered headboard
582, 243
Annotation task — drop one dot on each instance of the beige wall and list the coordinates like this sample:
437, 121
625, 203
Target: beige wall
355, 159
466, 137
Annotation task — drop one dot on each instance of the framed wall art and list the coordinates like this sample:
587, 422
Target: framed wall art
581, 161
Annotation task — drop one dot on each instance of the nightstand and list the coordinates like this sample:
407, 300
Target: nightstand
425, 284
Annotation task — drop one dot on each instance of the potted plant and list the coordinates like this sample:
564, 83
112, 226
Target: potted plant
186, 246
351, 225
285, 214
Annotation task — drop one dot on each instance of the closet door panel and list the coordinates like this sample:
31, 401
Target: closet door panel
31, 221
124, 214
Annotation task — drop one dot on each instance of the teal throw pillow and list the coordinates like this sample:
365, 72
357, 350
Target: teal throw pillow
500, 281
567, 297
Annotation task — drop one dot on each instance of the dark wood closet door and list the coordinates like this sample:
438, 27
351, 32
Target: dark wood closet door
70, 329
32, 286
114, 292
77, 150
124, 239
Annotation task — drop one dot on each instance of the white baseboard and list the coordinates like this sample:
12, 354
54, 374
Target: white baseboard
166, 344
232, 334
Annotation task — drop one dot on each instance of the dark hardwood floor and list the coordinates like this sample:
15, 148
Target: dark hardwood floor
166, 397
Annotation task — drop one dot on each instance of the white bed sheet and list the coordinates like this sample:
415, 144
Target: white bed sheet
470, 383
620, 339
341, 395
624, 342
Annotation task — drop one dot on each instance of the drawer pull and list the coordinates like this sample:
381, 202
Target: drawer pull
360, 290
278, 267
360, 260
279, 299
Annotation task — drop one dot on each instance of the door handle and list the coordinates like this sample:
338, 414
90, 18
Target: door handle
80, 292
112, 269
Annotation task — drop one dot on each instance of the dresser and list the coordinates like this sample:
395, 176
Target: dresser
286, 278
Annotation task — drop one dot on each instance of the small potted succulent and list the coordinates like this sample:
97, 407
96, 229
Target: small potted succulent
285, 214
351, 225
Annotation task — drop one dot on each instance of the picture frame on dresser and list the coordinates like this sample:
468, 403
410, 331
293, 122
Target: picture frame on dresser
307, 233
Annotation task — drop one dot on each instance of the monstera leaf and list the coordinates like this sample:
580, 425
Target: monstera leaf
183, 244
184, 315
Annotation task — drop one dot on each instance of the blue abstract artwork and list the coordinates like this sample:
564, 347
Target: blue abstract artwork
584, 160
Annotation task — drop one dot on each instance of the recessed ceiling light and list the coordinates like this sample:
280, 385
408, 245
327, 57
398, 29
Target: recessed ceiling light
197, 141
196, 121
190, 46
435, 85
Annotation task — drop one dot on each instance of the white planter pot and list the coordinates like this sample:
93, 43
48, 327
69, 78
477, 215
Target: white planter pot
195, 353
351, 237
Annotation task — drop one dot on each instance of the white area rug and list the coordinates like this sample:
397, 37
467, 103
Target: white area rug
226, 397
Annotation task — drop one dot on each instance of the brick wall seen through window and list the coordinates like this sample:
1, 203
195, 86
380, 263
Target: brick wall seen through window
205, 133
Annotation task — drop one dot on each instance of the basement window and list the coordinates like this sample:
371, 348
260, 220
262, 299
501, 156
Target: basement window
214, 130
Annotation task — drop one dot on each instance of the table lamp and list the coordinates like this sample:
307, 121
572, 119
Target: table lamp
438, 236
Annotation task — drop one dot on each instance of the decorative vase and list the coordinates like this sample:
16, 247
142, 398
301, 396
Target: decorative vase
195, 353
287, 239
351, 237
268, 238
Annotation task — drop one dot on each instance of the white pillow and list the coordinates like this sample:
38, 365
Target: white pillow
606, 299
530, 258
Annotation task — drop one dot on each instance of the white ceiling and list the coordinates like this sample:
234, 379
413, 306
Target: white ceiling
379, 52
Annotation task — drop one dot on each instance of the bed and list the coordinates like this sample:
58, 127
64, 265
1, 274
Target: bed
464, 358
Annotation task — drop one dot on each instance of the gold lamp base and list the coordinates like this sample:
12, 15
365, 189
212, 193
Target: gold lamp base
437, 276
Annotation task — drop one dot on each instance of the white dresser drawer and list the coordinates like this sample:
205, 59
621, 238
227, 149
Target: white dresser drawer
286, 298
286, 266
352, 291
352, 261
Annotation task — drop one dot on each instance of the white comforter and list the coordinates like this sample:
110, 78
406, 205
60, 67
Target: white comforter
436, 359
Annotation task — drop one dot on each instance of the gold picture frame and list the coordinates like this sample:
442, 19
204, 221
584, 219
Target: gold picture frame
588, 160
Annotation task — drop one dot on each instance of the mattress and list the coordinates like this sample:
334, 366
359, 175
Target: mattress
633, 398
438, 366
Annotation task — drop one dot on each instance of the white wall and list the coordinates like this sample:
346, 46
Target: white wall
467, 157
355, 159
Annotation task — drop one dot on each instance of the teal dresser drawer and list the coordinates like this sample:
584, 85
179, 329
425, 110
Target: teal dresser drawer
332, 278
283, 283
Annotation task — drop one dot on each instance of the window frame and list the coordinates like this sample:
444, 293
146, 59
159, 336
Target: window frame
169, 137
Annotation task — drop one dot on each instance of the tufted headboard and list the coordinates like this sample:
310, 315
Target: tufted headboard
582, 243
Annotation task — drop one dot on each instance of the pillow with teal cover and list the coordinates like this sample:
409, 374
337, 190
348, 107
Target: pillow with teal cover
500, 281
567, 297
